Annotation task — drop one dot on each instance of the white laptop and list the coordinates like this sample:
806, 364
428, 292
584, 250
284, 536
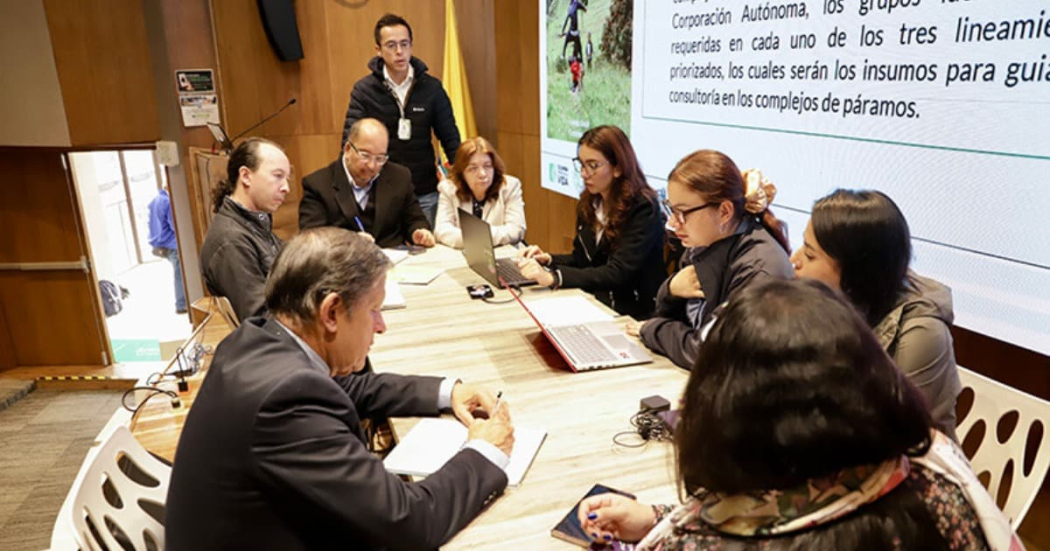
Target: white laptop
584, 334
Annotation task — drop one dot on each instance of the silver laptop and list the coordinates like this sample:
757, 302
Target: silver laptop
481, 257
583, 334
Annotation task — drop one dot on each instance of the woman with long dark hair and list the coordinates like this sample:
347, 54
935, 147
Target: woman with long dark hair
732, 240
800, 433
617, 253
858, 242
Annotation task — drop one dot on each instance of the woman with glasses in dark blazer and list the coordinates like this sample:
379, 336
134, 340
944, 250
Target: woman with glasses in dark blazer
617, 253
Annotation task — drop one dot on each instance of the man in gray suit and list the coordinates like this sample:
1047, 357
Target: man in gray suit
272, 454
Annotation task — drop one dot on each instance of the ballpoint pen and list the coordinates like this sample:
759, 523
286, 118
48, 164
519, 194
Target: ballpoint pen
499, 400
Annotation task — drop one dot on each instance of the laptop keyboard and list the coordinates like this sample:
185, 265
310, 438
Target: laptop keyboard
582, 344
507, 269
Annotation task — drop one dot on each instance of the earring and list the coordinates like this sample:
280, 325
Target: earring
722, 228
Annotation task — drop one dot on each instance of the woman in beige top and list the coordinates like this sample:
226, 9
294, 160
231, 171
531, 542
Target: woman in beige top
478, 184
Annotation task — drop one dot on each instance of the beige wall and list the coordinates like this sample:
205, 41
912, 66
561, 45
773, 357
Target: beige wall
31, 105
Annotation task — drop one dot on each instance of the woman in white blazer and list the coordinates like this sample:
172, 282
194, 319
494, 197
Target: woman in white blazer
477, 183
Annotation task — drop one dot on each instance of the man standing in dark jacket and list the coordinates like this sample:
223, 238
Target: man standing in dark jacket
410, 102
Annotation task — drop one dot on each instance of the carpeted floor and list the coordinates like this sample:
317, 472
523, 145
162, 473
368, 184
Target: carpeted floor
43, 440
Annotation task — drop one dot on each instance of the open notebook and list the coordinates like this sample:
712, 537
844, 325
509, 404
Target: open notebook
432, 442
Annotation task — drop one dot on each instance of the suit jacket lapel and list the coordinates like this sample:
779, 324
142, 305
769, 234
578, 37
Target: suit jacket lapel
379, 191
344, 194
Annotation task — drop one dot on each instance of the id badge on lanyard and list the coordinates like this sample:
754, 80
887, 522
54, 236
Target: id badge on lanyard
404, 125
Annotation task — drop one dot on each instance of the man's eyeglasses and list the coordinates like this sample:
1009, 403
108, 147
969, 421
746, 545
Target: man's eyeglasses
369, 157
680, 214
393, 46
590, 166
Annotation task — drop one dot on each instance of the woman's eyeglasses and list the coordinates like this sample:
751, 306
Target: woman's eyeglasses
590, 166
680, 214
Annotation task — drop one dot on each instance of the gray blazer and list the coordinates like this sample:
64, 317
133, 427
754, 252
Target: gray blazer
272, 457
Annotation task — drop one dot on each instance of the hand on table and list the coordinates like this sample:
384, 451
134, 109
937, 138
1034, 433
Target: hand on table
634, 328
423, 237
611, 516
531, 269
536, 253
685, 284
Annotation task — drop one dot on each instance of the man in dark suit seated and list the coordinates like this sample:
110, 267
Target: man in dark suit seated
272, 456
364, 192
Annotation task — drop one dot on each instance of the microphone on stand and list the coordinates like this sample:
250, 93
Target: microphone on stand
290, 103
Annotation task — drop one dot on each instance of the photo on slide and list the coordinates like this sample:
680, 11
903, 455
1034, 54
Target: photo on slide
588, 66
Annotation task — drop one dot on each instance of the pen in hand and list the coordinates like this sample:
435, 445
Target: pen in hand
499, 400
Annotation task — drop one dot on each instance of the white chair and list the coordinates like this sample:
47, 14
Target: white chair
121, 497
997, 452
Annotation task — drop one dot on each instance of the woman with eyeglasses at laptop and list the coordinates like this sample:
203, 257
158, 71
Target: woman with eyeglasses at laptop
478, 184
617, 254
733, 240
858, 242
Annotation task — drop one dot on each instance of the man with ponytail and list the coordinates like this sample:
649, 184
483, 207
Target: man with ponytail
240, 245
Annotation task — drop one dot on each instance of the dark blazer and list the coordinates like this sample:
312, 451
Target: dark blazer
624, 275
748, 256
427, 107
272, 457
328, 200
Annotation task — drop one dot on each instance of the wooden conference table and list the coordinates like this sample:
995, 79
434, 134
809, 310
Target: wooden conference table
443, 332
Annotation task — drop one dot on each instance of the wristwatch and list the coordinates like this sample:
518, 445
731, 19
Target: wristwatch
556, 274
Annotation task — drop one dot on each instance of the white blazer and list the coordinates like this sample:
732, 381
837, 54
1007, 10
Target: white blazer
506, 215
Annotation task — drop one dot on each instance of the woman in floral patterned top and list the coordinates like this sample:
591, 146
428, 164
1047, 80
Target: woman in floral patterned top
801, 433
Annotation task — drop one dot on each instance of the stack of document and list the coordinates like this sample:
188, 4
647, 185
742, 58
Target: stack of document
432, 442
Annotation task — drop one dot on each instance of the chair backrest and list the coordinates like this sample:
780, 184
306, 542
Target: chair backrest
1005, 434
120, 501
222, 304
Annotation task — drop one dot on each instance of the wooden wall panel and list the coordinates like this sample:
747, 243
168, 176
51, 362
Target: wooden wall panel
52, 318
477, 40
256, 83
35, 200
550, 216
7, 346
103, 63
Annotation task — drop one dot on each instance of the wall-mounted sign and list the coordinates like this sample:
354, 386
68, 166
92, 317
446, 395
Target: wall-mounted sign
197, 98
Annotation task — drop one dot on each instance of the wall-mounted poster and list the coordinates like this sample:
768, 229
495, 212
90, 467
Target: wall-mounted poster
197, 98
